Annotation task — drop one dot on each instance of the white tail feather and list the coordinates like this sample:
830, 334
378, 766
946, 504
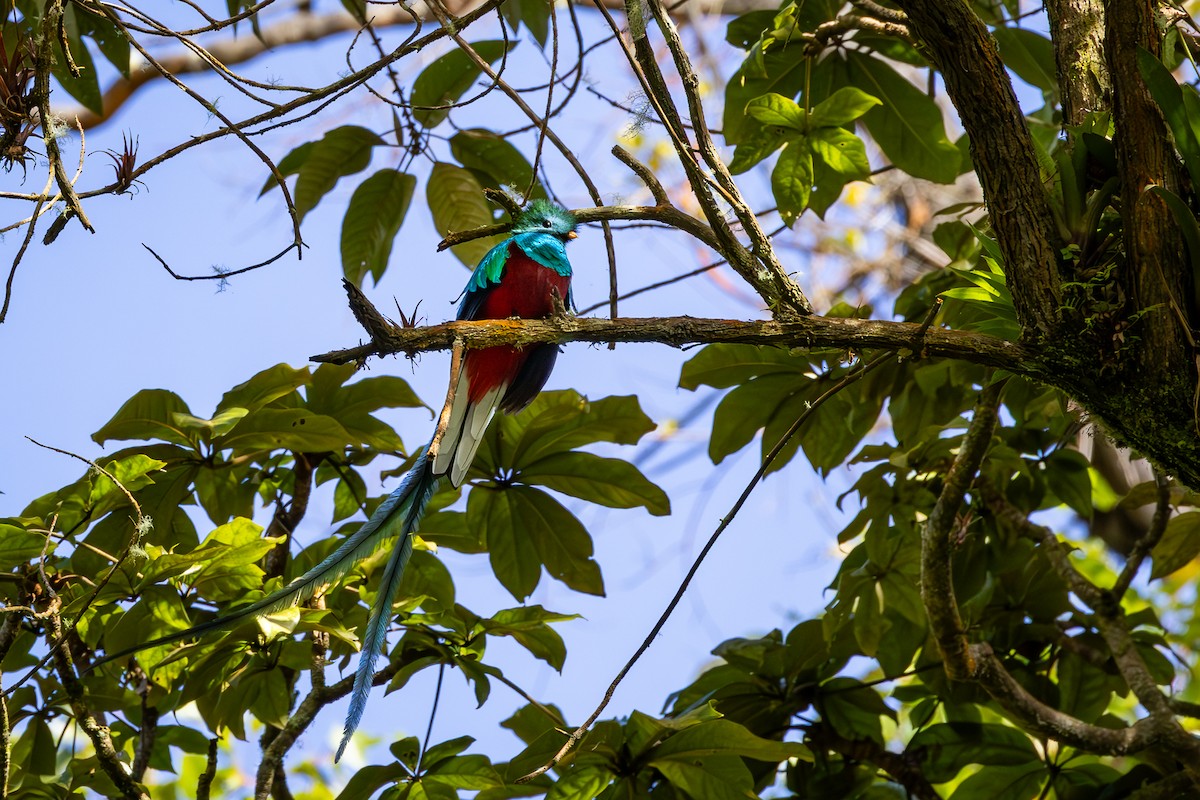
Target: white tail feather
454, 428
475, 423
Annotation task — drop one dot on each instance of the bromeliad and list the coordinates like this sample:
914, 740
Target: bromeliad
527, 275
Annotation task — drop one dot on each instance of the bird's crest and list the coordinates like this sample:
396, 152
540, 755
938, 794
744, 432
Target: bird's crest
544, 216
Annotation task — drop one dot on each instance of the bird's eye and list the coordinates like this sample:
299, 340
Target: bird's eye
546, 224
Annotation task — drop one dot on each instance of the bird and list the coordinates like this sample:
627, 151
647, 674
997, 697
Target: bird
526, 275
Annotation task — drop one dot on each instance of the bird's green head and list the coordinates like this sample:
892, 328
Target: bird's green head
542, 216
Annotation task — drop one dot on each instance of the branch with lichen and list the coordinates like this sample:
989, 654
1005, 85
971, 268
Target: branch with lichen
51, 20
388, 338
979, 663
77, 697
937, 580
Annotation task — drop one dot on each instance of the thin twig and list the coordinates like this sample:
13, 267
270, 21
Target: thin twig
437, 695
1145, 544
221, 275
45, 56
205, 781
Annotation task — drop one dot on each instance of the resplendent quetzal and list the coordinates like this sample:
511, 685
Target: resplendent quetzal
520, 277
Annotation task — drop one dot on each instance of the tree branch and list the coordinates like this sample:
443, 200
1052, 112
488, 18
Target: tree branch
960, 46
305, 27
937, 580
1079, 56
666, 214
77, 696
903, 768
852, 334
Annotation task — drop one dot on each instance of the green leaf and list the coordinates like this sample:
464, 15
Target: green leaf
1030, 55
609, 482
724, 365
112, 42
358, 10
221, 424
854, 709
792, 179
526, 528
457, 204
18, 546
723, 737
469, 772
340, 152
1068, 477
1003, 783
444, 81
1084, 690
264, 388
39, 745
717, 777
487, 153
514, 559
559, 421
352, 404
950, 746
289, 165
373, 218
1170, 99
86, 87
908, 125
285, 429
842, 107
743, 412
742, 32
1179, 545
777, 110
584, 783
562, 543
448, 749
755, 146
528, 625
369, 779
778, 66
842, 152
149, 414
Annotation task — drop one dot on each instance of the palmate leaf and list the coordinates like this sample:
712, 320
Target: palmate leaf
558, 422
773, 389
949, 747
776, 61
526, 529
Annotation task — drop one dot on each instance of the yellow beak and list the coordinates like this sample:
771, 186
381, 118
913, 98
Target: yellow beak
572, 235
